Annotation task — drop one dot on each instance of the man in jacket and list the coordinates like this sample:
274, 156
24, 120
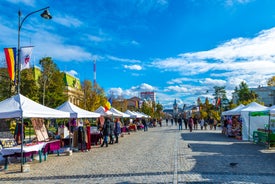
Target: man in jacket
106, 132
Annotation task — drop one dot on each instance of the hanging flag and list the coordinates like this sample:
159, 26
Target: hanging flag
218, 102
108, 104
10, 54
25, 57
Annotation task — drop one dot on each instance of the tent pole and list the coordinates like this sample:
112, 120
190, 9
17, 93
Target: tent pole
268, 134
249, 126
22, 143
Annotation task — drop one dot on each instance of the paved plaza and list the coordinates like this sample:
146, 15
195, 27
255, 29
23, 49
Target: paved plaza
161, 155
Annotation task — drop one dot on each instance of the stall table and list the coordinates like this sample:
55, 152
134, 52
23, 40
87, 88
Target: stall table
95, 138
28, 150
264, 137
50, 146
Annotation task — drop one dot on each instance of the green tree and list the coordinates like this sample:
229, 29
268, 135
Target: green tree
147, 108
271, 81
7, 88
51, 84
245, 95
158, 111
29, 87
94, 96
120, 103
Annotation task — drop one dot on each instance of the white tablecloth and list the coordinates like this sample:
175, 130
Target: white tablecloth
26, 149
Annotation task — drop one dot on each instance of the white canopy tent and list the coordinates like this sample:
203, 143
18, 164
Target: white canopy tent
141, 114
76, 112
124, 115
252, 123
19, 106
101, 111
235, 111
133, 114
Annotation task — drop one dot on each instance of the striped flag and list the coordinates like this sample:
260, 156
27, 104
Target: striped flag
108, 104
10, 54
25, 57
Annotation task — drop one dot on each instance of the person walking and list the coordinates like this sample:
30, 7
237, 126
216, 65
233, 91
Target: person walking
211, 123
117, 130
144, 123
202, 123
190, 123
185, 123
112, 129
180, 123
106, 132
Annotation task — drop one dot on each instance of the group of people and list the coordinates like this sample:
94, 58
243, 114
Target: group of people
193, 123
232, 127
110, 131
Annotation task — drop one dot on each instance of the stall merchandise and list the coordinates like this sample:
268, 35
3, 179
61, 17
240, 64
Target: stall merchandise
21, 107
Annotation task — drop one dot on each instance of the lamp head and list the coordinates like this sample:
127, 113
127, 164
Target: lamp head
46, 14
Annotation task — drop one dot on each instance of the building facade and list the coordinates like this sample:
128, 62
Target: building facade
148, 96
265, 94
73, 89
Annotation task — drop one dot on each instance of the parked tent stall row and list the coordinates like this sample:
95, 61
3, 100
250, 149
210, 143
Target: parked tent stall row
254, 117
20, 107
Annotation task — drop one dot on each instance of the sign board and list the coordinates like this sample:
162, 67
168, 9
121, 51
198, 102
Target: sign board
40, 129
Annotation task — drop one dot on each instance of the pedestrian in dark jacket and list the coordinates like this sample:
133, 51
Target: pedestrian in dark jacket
106, 132
112, 129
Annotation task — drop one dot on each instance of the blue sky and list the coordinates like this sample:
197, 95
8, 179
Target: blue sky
178, 48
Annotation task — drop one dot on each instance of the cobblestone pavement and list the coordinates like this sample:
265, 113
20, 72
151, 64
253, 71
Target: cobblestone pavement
161, 155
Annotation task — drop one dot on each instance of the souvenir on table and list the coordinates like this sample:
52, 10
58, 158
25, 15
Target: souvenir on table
7, 143
63, 131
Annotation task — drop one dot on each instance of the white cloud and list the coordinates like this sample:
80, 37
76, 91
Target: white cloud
133, 67
67, 20
26, 2
240, 58
72, 73
232, 2
55, 47
116, 91
123, 59
214, 82
178, 89
133, 42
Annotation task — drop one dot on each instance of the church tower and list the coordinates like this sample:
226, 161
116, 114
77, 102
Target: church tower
175, 108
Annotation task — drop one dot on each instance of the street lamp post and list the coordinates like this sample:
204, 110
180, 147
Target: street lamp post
45, 15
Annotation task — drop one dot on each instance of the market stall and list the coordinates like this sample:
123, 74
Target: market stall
251, 121
266, 134
80, 130
20, 107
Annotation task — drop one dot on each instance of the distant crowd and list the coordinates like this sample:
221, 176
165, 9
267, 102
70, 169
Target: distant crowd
193, 123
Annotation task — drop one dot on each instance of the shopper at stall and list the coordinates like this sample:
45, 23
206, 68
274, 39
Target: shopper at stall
144, 123
106, 131
112, 129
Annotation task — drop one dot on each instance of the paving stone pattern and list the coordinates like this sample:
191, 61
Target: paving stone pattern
160, 155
